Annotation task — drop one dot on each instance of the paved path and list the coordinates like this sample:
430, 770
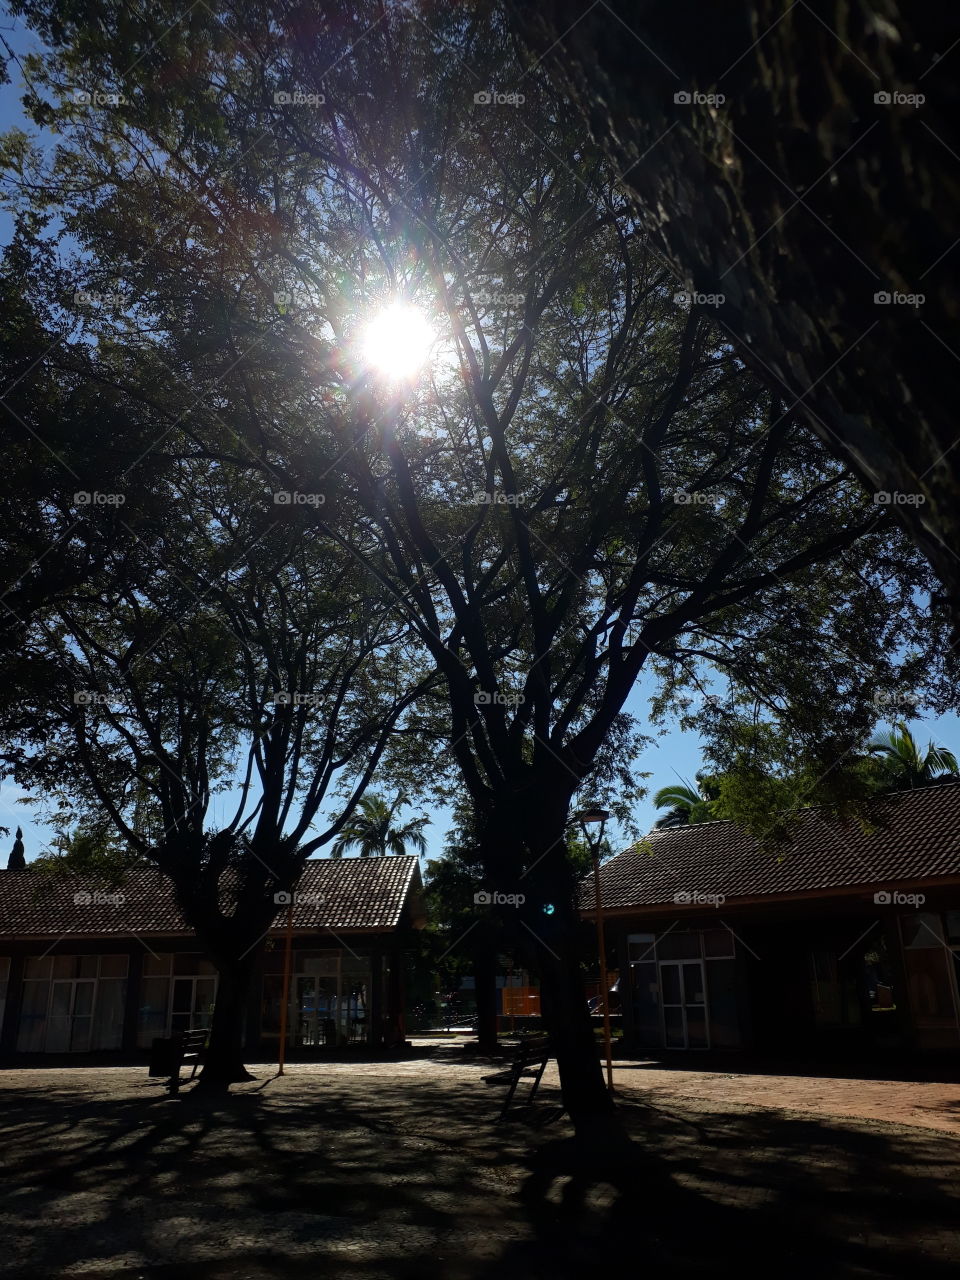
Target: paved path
926, 1105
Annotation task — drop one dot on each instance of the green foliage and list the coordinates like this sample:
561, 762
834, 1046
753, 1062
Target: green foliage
372, 831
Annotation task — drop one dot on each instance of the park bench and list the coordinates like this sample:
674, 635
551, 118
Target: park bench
171, 1056
532, 1057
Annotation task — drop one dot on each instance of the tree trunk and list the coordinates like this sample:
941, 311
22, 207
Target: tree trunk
223, 1060
565, 1013
485, 980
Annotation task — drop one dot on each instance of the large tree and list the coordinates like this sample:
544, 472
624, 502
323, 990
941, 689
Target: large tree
221, 695
588, 485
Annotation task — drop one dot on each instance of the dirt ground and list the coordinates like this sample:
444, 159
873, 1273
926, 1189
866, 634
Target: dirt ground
397, 1171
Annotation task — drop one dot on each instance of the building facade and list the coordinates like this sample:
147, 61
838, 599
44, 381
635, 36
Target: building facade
90, 969
843, 939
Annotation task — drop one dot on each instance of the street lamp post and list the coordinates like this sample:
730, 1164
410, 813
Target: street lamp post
591, 817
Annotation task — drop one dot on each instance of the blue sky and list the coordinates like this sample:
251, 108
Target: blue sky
674, 755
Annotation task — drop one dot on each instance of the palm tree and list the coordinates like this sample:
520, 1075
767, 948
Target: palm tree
903, 766
687, 804
371, 829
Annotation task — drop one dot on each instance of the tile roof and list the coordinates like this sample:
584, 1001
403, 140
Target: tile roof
339, 894
915, 836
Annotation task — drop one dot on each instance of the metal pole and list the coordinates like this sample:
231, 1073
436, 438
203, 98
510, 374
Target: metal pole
285, 1001
602, 949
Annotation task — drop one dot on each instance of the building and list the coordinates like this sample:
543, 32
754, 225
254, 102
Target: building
88, 969
842, 939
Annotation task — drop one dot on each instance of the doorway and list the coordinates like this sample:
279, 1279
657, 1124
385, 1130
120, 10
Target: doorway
684, 1003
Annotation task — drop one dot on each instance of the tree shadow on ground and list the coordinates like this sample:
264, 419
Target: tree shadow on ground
389, 1177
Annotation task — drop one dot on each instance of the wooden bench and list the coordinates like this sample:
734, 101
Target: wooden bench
533, 1054
188, 1048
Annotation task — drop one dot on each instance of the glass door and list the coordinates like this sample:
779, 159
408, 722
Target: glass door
684, 1003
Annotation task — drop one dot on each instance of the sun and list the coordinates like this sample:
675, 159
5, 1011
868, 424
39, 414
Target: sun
398, 341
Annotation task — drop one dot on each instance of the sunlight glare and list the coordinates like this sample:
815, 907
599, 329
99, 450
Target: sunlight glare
397, 342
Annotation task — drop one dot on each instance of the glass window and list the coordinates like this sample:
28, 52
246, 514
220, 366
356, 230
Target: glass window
953, 926
113, 966
87, 966
718, 943
64, 966
678, 946
187, 962
640, 946
152, 1019
724, 1019
646, 1003
693, 988
108, 1023
922, 931
33, 1017
37, 967
154, 965
670, 983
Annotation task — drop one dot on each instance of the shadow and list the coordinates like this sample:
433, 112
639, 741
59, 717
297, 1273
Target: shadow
380, 1172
